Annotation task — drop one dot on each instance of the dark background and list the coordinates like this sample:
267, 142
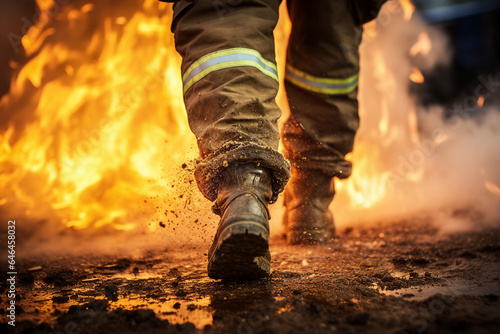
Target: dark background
11, 18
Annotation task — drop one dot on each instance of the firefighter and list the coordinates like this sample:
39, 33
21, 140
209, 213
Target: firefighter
230, 83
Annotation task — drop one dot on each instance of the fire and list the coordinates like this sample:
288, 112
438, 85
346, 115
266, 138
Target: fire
493, 188
416, 76
388, 158
422, 46
96, 117
369, 182
408, 9
480, 101
96, 123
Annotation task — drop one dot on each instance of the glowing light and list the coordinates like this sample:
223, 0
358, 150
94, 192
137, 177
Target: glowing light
480, 101
416, 76
413, 126
87, 8
94, 116
408, 9
121, 20
422, 46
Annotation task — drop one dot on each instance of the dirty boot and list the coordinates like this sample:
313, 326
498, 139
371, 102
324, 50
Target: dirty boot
307, 219
241, 245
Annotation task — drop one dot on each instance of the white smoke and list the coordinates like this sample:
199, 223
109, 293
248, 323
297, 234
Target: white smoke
448, 176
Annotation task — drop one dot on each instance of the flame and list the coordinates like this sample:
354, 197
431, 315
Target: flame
416, 76
388, 134
90, 115
422, 46
368, 183
96, 118
480, 101
408, 9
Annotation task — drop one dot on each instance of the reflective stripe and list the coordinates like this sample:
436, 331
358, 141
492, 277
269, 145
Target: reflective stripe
321, 85
225, 59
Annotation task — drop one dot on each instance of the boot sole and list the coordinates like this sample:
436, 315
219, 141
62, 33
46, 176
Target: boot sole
242, 252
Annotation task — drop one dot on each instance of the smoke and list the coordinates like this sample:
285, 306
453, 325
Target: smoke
463, 177
444, 171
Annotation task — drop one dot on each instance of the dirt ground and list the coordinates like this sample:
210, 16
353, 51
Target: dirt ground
403, 278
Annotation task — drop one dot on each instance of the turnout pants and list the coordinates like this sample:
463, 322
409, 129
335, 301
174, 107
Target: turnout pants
231, 81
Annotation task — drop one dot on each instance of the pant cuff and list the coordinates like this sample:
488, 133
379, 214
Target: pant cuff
208, 170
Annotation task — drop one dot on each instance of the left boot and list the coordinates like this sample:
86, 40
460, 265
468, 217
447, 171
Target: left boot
240, 249
307, 219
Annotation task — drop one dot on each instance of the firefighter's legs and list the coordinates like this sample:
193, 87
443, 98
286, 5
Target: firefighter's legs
321, 84
230, 83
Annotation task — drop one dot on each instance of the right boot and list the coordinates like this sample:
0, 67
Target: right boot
307, 219
240, 249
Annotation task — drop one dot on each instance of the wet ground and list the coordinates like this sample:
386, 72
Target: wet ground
403, 278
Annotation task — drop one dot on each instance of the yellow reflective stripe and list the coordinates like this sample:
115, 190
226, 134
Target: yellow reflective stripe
225, 65
328, 86
226, 53
322, 80
225, 59
328, 91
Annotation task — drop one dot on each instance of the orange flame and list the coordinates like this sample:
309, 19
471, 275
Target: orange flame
408, 9
480, 101
422, 46
416, 76
90, 123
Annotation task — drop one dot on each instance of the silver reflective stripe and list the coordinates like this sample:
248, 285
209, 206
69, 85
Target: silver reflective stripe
226, 59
